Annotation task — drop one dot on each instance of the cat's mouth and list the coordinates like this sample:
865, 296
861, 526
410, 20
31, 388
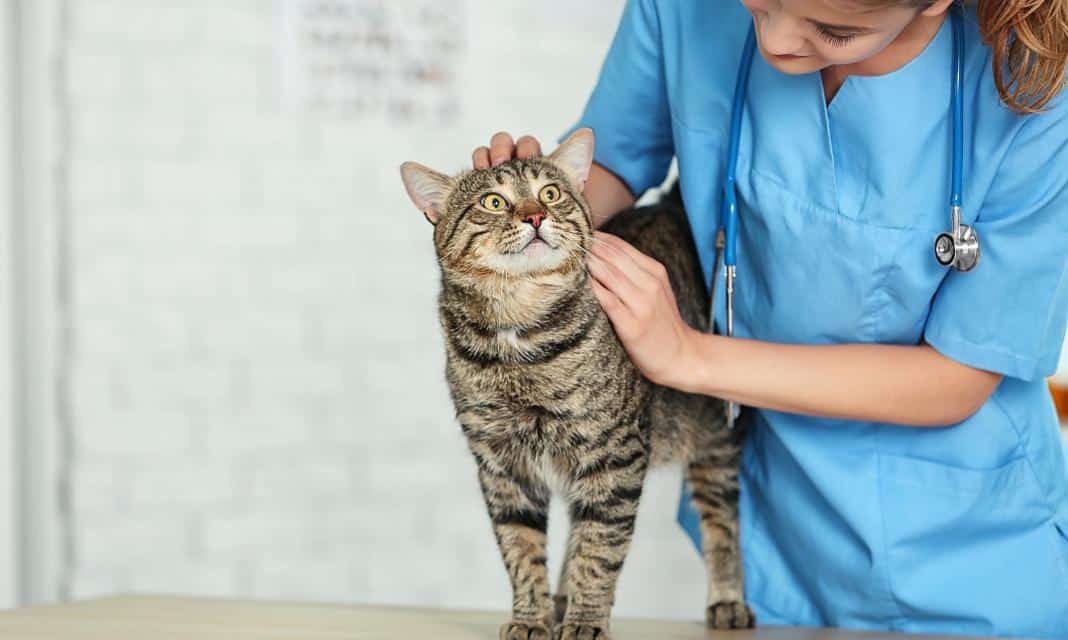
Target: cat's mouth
540, 250
536, 245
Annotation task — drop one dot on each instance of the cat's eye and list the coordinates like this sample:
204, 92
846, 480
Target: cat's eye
493, 202
549, 194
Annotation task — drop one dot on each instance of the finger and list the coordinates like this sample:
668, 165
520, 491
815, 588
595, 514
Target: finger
480, 158
527, 147
621, 261
617, 312
615, 280
645, 262
501, 147
656, 271
607, 246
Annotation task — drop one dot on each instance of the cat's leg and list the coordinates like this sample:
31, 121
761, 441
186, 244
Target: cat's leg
604, 498
714, 481
560, 598
519, 512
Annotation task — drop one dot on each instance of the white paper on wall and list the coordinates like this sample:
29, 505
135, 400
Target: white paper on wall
371, 59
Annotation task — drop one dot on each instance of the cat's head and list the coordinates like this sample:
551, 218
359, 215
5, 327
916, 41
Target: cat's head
521, 218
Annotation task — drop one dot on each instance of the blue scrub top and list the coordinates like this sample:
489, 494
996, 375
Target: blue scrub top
859, 524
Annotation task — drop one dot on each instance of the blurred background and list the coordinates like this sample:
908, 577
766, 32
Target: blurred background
222, 372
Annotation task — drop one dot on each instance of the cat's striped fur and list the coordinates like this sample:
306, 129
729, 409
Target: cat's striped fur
549, 400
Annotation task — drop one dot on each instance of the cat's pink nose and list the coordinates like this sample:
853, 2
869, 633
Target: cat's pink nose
535, 218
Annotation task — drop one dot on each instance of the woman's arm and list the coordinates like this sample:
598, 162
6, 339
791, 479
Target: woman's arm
604, 191
896, 384
607, 195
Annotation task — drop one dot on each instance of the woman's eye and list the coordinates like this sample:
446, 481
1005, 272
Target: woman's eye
493, 202
549, 194
834, 39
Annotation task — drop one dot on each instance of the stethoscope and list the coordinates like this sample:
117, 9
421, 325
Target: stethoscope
958, 249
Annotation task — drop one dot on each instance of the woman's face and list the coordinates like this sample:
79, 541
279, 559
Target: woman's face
802, 36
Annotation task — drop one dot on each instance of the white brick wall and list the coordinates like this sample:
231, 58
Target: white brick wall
258, 394
9, 485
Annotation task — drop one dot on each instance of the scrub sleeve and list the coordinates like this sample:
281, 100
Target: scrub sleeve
628, 109
1008, 314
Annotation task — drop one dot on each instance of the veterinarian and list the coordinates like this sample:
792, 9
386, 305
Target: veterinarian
903, 468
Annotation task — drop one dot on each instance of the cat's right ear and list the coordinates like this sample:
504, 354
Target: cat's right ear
575, 155
427, 189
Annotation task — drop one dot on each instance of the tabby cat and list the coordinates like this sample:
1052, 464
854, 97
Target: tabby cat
549, 400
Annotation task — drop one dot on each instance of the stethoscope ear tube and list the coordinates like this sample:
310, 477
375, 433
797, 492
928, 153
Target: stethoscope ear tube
732, 409
729, 214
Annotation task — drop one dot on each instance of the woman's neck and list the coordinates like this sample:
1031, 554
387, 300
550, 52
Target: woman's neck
905, 47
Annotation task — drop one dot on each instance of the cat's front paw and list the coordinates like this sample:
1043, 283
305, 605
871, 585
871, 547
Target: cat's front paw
730, 615
525, 631
575, 631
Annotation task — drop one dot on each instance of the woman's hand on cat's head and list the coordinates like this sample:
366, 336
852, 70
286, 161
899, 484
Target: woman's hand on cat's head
502, 149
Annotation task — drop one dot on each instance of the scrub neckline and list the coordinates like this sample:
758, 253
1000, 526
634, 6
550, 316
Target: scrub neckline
888, 76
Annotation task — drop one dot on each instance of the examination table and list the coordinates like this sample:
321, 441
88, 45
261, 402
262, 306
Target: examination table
164, 617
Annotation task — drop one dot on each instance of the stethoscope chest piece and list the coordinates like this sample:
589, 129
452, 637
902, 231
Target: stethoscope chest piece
958, 249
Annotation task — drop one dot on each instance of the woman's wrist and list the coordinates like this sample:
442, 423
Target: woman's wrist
696, 367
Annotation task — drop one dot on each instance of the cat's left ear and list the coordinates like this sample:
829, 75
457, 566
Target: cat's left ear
575, 155
427, 188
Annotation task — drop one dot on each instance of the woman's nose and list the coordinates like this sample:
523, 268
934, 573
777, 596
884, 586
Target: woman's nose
781, 34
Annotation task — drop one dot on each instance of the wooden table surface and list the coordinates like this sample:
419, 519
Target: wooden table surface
165, 617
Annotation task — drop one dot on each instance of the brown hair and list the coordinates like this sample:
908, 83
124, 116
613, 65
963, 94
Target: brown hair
1030, 42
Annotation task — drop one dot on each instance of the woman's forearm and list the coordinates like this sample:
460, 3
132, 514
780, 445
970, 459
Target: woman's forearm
898, 384
606, 194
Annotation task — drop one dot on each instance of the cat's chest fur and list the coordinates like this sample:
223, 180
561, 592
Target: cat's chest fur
526, 355
538, 381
